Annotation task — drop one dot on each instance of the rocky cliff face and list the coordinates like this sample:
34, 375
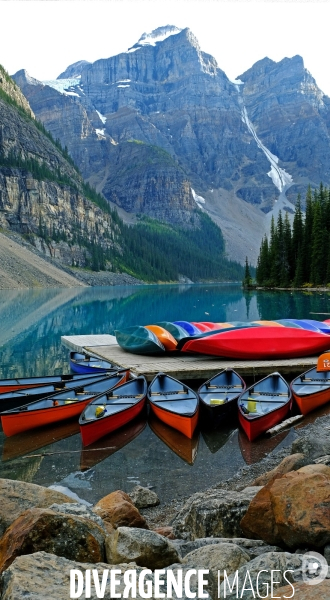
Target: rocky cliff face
41, 206
157, 186
258, 140
292, 117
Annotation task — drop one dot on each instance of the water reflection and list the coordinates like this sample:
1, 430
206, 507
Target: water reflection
216, 438
256, 451
108, 445
32, 321
183, 447
30, 441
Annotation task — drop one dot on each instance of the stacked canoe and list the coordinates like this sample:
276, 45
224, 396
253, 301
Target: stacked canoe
254, 340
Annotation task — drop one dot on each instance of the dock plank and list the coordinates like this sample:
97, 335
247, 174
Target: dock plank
181, 366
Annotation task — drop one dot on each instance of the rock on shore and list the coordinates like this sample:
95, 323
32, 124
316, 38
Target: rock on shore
238, 527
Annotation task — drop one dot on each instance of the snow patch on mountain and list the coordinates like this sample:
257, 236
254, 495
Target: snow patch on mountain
154, 37
281, 179
157, 35
63, 86
198, 199
102, 117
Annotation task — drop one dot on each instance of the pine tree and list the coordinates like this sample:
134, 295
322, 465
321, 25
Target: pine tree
308, 231
317, 247
247, 281
297, 239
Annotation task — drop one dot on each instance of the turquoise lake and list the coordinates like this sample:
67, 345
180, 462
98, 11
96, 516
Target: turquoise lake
31, 325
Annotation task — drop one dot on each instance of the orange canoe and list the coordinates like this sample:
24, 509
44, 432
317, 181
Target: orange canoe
56, 408
312, 389
174, 403
164, 336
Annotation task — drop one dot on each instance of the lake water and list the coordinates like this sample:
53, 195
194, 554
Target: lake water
31, 325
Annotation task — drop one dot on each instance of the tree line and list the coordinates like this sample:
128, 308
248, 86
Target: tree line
298, 254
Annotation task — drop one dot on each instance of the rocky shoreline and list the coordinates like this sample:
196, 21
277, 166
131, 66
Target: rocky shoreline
266, 518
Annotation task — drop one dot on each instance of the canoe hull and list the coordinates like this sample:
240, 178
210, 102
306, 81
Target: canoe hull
263, 405
17, 423
217, 415
259, 343
82, 369
84, 365
94, 430
226, 384
184, 424
139, 340
307, 404
311, 390
256, 427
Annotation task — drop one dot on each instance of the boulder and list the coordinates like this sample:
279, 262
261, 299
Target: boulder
209, 589
257, 575
143, 497
311, 444
214, 513
217, 557
289, 463
146, 548
251, 547
293, 509
327, 553
303, 591
44, 576
80, 510
118, 509
259, 521
18, 496
166, 531
42, 529
301, 506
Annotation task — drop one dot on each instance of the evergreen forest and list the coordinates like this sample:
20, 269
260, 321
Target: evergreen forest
298, 255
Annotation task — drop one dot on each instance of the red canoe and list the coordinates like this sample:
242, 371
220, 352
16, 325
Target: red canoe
264, 405
57, 407
108, 412
258, 343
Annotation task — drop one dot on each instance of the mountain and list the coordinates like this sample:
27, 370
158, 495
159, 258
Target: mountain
42, 196
160, 128
47, 206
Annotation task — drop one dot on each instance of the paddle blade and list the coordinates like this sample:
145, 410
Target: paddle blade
323, 363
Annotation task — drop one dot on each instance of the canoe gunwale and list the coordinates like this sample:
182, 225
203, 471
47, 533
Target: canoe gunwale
97, 400
194, 396
217, 407
27, 411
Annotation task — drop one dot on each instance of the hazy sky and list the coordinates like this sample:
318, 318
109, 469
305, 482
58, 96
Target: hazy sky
45, 36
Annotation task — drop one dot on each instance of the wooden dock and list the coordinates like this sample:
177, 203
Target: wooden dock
182, 366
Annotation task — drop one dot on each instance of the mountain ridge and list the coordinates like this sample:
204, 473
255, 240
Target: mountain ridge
44, 198
261, 141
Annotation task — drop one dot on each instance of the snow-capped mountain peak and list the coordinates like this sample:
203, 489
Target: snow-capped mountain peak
157, 35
